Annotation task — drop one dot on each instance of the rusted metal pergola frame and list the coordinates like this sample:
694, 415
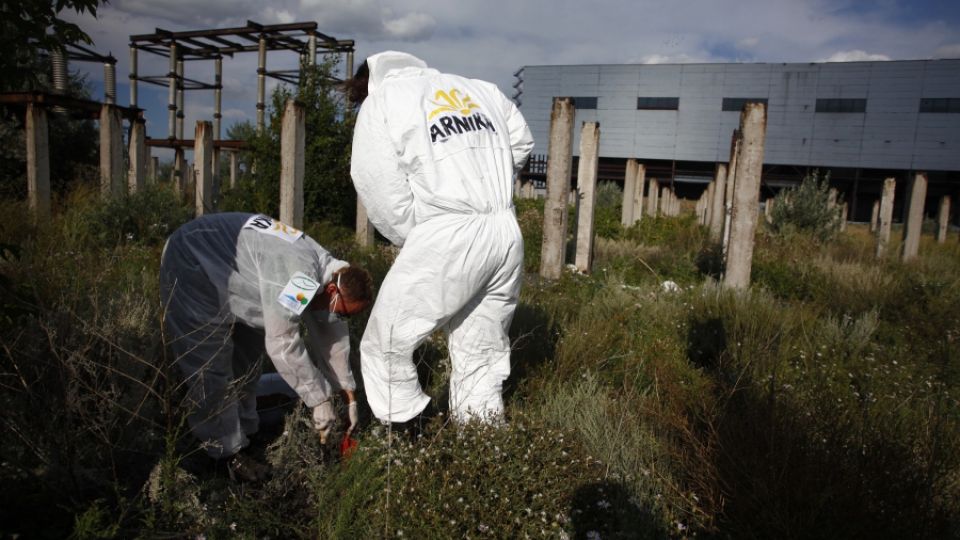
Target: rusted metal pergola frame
213, 44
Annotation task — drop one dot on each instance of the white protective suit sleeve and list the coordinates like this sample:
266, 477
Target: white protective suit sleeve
281, 327
380, 184
521, 140
329, 342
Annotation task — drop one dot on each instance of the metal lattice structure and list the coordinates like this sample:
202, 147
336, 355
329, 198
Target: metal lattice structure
214, 44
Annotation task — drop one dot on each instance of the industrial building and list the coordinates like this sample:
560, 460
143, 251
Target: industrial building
861, 121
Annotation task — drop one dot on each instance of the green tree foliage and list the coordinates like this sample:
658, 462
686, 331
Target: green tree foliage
807, 207
29, 26
73, 142
328, 192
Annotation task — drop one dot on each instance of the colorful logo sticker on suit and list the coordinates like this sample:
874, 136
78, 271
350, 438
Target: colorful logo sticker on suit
266, 225
298, 292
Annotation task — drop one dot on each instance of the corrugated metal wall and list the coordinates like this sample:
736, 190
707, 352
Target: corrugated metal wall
892, 133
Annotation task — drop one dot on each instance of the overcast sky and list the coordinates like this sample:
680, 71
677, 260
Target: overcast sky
491, 39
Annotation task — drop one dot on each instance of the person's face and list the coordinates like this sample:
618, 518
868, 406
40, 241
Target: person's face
342, 306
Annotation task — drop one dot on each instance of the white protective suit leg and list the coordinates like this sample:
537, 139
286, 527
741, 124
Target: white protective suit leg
200, 334
479, 342
445, 264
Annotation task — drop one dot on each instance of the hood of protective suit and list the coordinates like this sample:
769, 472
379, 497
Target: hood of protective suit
388, 62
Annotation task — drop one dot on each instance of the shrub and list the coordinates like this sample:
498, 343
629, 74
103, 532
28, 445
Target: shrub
807, 207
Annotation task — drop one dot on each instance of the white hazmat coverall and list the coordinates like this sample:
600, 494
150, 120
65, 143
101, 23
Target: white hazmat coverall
434, 157
221, 278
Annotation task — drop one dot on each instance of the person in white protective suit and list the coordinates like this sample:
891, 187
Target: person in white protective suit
434, 157
237, 285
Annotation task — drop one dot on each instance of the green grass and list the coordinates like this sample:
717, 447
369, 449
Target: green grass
821, 403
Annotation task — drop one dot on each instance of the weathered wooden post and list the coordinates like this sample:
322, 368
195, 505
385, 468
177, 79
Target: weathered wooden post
875, 215
739, 260
943, 219
136, 174
38, 160
559, 158
292, 145
111, 152
587, 182
629, 186
885, 216
206, 196
916, 196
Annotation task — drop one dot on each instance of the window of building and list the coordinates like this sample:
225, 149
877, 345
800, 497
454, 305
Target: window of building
658, 103
737, 103
841, 105
585, 102
940, 105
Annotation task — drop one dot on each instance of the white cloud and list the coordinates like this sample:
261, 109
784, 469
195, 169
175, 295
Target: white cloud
670, 59
854, 56
412, 26
948, 51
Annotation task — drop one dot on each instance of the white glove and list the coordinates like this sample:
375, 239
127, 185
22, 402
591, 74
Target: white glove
324, 419
353, 415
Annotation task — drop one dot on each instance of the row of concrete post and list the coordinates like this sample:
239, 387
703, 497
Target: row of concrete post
115, 180
739, 194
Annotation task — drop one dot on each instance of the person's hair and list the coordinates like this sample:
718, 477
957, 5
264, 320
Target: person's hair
355, 283
356, 88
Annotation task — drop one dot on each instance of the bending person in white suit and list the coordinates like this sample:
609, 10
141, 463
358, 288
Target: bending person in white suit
235, 286
434, 156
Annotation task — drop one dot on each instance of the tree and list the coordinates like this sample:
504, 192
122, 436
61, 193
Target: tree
328, 192
27, 26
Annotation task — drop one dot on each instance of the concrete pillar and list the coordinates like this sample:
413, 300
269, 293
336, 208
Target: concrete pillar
638, 193
38, 161
916, 195
179, 180
664, 202
234, 168
844, 209
874, 215
704, 205
154, 168
206, 194
739, 259
943, 219
172, 95
716, 204
768, 209
133, 76
365, 235
559, 157
653, 197
629, 186
587, 182
261, 82
292, 142
137, 151
885, 216
731, 188
180, 115
111, 152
